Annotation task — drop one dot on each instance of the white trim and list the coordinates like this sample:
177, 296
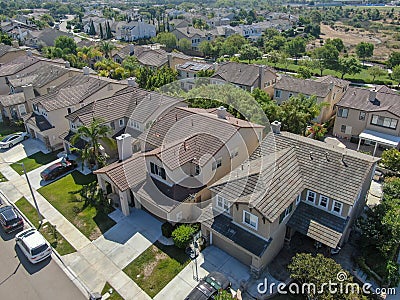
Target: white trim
224, 201
333, 207
159, 178
298, 199
250, 231
327, 201
315, 196
249, 224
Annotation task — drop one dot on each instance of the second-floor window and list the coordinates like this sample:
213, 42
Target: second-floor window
222, 203
362, 115
121, 122
217, 163
323, 201
337, 207
311, 196
250, 220
235, 152
285, 213
278, 93
69, 110
384, 122
343, 112
156, 170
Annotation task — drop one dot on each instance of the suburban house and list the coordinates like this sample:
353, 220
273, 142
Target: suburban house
156, 58
46, 118
370, 116
194, 35
119, 55
189, 72
181, 153
246, 76
45, 37
130, 110
136, 30
290, 184
8, 53
327, 89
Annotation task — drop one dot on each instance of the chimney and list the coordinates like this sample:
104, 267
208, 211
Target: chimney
67, 64
331, 86
170, 61
131, 49
372, 95
124, 144
261, 76
221, 112
132, 82
276, 127
86, 70
28, 91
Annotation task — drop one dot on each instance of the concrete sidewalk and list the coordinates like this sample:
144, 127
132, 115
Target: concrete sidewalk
93, 267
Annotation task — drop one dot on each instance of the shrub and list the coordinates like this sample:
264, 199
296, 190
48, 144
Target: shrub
183, 235
166, 229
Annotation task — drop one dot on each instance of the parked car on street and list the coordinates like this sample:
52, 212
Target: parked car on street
33, 245
58, 169
10, 220
13, 139
209, 286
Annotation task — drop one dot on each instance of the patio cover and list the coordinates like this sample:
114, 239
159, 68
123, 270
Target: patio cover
380, 138
318, 224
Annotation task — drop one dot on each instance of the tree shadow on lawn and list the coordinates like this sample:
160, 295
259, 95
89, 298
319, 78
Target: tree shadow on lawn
174, 252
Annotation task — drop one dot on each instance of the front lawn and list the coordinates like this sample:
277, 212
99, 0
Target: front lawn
156, 267
76, 197
6, 128
34, 161
50, 233
2, 178
114, 295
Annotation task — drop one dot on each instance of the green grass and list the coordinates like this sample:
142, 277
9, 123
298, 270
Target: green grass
6, 129
34, 161
2, 178
56, 240
156, 267
361, 77
114, 295
65, 195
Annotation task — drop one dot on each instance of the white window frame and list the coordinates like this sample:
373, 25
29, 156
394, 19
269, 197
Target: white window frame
221, 203
121, 122
320, 200
333, 207
217, 163
278, 93
298, 199
251, 216
343, 112
308, 195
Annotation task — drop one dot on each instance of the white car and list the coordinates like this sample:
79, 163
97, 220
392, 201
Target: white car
13, 139
33, 245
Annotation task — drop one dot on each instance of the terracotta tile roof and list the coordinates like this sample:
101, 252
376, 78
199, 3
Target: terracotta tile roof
332, 79
17, 65
39, 77
303, 86
12, 99
370, 100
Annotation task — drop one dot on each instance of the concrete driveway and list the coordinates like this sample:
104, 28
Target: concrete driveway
211, 259
22, 150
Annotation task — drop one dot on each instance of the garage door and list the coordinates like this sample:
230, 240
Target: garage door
231, 249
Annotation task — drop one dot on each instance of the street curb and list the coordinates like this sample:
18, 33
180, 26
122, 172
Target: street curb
59, 261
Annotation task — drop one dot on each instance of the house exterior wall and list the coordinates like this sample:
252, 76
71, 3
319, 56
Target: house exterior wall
355, 126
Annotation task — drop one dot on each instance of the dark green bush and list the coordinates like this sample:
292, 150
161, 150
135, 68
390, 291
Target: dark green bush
166, 229
183, 235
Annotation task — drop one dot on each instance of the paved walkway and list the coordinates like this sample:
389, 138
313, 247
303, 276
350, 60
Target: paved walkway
91, 263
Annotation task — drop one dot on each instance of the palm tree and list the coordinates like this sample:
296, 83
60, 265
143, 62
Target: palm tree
93, 134
106, 48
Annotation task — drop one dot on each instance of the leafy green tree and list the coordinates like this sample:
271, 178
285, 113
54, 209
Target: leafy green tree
131, 64
325, 57
106, 48
364, 50
304, 72
276, 43
319, 270
249, 52
5, 39
166, 38
396, 74
66, 44
205, 47
337, 43
205, 73
296, 47
232, 45
376, 71
271, 109
184, 44
94, 133
391, 159
183, 235
394, 59
150, 79
348, 65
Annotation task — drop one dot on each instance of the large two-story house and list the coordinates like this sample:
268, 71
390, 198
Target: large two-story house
290, 184
327, 89
46, 119
181, 153
130, 110
369, 115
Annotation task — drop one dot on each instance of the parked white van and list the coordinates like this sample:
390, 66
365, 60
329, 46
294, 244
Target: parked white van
33, 245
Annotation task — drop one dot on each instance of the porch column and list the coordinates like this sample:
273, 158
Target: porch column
102, 183
124, 200
376, 146
359, 144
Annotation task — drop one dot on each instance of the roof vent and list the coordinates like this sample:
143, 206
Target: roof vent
327, 157
276, 127
221, 112
311, 155
343, 161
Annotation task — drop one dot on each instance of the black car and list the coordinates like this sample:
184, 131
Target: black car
209, 286
10, 220
58, 169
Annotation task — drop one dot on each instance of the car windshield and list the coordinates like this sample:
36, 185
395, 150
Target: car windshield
10, 216
51, 168
7, 138
213, 283
38, 250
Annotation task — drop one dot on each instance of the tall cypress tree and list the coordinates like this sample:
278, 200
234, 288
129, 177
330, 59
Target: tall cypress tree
101, 31
92, 30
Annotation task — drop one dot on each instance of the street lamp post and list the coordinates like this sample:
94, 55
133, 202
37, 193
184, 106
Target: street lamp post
33, 195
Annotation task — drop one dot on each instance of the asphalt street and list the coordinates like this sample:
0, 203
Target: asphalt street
19, 279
